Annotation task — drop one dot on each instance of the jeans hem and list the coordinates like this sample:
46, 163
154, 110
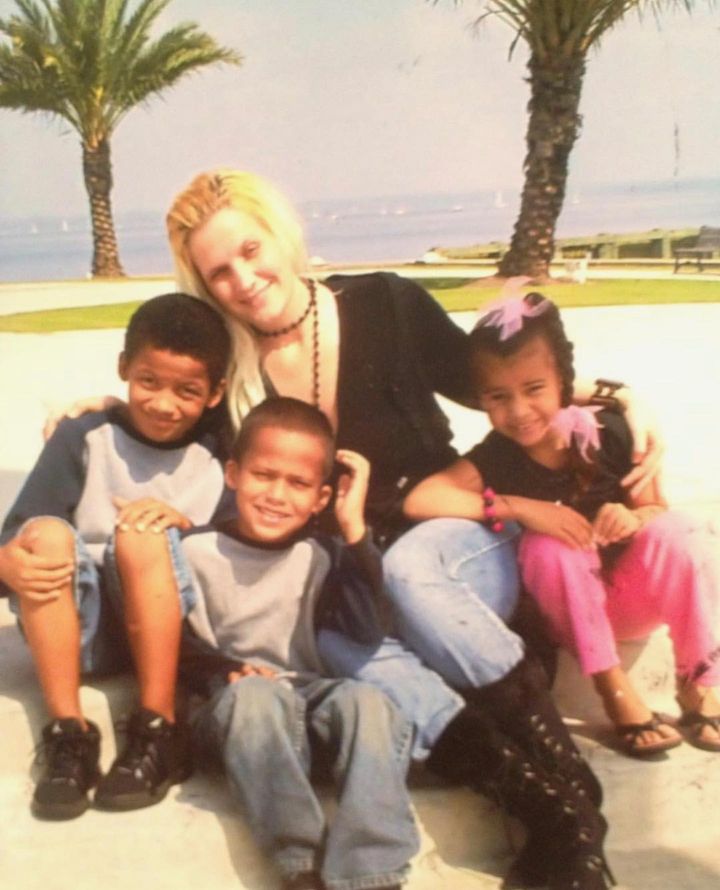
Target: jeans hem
288, 866
368, 882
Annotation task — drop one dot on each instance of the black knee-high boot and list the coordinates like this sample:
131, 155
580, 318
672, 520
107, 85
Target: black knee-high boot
522, 707
565, 830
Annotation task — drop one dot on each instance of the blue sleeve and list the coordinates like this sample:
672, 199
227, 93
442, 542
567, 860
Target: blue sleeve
55, 483
353, 600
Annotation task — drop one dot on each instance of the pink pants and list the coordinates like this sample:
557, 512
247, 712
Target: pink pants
669, 573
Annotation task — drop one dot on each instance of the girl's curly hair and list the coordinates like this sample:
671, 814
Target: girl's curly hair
485, 338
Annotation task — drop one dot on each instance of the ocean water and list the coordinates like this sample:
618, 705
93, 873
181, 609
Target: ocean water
400, 227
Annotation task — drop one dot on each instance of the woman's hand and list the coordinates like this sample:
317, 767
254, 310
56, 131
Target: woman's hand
613, 523
648, 444
350, 495
548, 518
148, 513
77, 409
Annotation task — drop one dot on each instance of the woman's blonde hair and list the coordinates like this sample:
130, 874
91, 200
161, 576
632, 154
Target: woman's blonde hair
192, 207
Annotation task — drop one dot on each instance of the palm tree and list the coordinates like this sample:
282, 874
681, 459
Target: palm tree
89, 62
559, 34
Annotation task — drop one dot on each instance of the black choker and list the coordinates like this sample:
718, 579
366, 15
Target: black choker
295, 324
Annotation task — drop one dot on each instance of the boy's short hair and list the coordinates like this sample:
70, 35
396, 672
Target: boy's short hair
184, 325
292, 415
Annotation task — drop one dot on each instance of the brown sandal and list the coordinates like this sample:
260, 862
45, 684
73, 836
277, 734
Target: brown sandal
696, 722
629, 733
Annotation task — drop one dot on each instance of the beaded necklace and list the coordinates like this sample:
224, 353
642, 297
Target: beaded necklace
311, 307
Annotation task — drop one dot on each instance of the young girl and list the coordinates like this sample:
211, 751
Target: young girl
603, 564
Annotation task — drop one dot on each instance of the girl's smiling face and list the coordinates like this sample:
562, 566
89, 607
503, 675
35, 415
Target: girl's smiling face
521, 393
245, 269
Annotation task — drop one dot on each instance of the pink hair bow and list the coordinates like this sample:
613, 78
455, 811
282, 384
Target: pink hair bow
509, 310
579, 424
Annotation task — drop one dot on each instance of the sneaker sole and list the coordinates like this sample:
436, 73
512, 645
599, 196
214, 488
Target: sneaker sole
59, 811
135, 801
139, 799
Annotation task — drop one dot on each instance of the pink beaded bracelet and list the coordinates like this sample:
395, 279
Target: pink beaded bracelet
491, 517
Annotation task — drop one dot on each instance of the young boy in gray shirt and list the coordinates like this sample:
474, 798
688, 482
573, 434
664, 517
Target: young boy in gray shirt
265, 583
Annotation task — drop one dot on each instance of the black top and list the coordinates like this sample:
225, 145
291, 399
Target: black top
398, 347
507, 468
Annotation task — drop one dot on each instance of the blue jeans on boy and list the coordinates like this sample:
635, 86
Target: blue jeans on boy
263, 731
453, 584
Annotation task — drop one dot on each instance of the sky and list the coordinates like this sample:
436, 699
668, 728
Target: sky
355, 98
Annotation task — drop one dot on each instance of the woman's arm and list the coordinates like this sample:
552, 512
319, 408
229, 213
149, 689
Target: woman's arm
648, 444
439, 345
77, 409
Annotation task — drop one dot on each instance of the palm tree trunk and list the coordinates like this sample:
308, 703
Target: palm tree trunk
553, 126
97, 170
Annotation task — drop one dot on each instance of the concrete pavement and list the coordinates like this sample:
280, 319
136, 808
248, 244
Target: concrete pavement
664, 833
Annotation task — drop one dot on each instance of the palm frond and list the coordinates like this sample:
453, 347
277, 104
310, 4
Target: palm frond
569, 27
92, 61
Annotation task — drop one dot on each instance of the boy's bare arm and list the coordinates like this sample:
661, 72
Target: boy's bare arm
148, 514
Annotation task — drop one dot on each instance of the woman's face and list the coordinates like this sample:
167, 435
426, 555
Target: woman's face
245, 270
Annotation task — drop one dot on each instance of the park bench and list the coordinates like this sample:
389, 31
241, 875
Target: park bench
708, 241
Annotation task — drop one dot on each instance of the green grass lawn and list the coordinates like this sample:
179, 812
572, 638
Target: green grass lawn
454, 294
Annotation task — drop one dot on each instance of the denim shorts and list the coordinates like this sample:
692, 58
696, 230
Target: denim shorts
98, 596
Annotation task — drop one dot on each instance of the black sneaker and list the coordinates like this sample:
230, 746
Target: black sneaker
70, 756
156, 756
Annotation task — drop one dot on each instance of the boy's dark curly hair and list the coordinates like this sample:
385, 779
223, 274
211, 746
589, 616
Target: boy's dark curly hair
547, 324
184, 325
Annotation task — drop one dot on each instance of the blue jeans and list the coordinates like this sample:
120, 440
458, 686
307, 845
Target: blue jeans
453, 584
264, 733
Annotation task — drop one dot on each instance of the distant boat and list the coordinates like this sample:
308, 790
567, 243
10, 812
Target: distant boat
34, 229
64, 227
457, 208
499, 200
